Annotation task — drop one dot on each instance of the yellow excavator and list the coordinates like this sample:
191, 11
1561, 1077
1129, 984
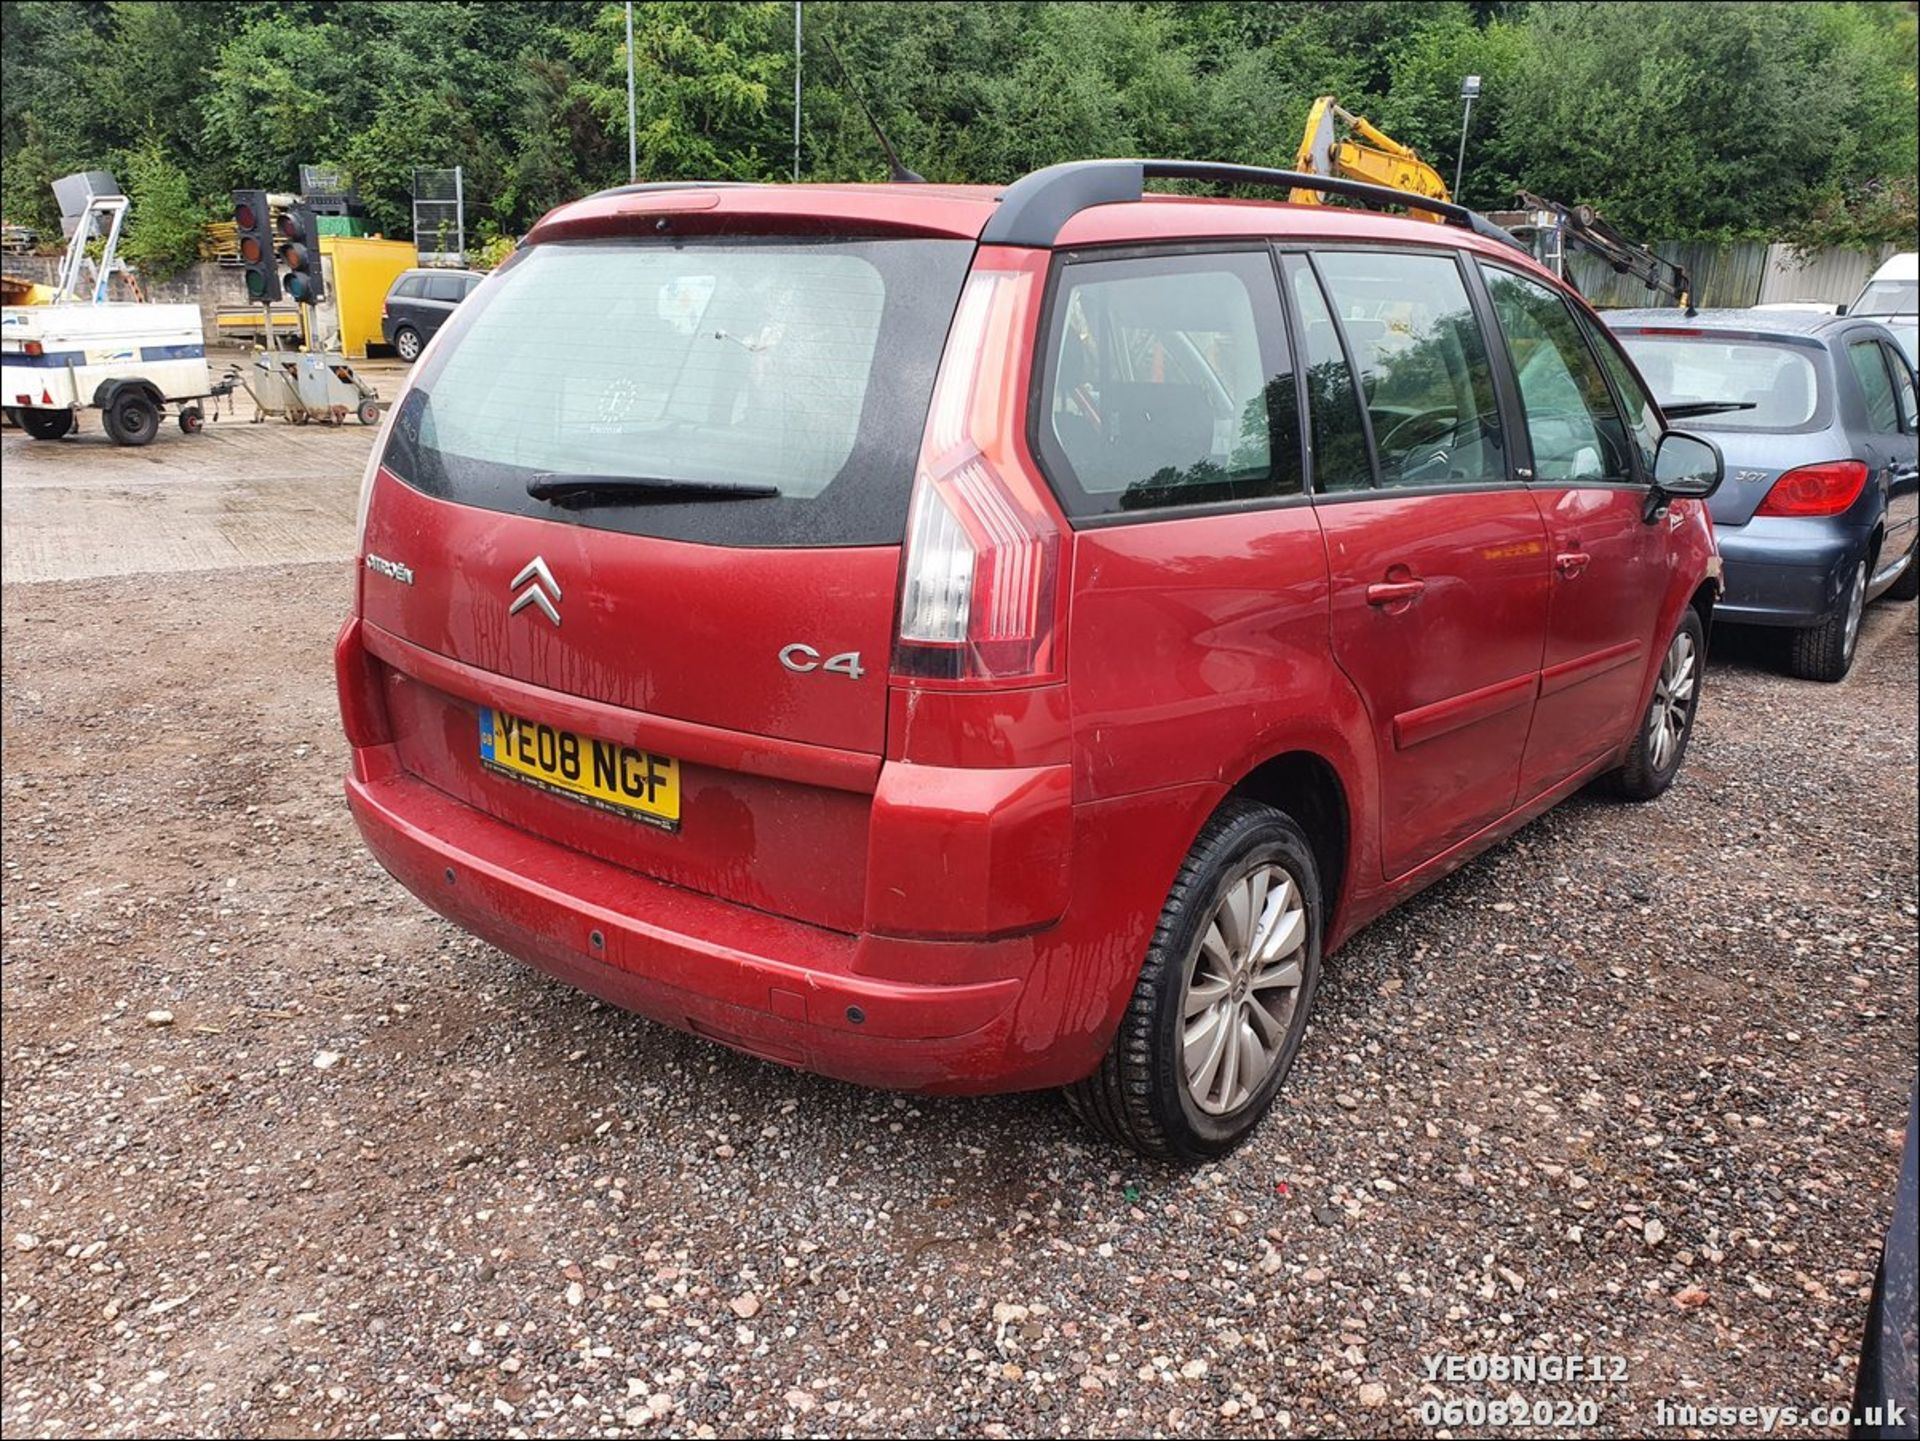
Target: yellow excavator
1374, 157
1339, 143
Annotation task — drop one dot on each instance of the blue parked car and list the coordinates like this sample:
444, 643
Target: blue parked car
1820, 509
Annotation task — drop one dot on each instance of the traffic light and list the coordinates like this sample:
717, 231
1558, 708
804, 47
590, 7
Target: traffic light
300, 250
253, 229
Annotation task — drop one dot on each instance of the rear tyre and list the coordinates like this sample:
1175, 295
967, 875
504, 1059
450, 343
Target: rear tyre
1222, 1000
1825, 652
369, 412
46, 424
132, 418
1908, 586
406, 344
1660, 742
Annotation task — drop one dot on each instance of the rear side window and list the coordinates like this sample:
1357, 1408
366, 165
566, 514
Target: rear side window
1168, 383
1902, 386
1423, 365
1340, 459
803, 365
1573, 425
446, 287
409, 287
1876, 386
1779, 381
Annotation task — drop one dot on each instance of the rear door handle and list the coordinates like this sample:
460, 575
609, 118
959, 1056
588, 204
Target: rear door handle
1571, 562
1394, 592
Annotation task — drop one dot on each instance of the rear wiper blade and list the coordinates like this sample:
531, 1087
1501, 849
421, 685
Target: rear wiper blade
1691, 409
564, 489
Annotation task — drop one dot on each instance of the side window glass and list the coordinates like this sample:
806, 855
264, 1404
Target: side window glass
1333, 402
1643, 415
1169, 383
445, 287
1424, 373
1902, 387
1575, 427
1876, 386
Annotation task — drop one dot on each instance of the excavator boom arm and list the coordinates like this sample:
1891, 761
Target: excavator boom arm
1382, 160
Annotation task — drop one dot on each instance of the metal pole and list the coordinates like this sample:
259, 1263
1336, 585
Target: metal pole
796, 91
1459, 164
633, 138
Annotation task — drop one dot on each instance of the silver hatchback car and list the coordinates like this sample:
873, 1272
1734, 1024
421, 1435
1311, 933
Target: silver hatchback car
1815, 414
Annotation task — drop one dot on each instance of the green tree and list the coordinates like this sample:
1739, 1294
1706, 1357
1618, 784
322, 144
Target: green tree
281, 94
704, 77
163, 221
1680, 119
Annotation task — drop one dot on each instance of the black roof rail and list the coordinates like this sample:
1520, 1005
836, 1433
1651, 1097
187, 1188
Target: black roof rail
1036, 207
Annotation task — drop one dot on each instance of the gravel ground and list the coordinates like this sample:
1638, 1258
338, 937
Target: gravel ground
286, 1155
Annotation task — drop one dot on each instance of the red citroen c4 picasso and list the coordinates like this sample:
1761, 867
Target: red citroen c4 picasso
973, 639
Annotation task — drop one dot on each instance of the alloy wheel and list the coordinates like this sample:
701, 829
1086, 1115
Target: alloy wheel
1672, 700
1856, 606
1242, 988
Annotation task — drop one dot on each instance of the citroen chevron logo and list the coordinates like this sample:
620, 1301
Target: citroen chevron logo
536, 593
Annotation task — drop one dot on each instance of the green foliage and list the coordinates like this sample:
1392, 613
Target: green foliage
163, 222
1681, 119
281, 93
490, 251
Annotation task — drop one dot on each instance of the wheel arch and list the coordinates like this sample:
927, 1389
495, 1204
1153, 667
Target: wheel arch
108, 391
1705, 597
1308, 787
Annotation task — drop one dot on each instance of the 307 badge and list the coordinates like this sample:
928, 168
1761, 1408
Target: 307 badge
604, 774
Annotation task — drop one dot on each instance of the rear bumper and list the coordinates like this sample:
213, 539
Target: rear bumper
1784, 572
790, 992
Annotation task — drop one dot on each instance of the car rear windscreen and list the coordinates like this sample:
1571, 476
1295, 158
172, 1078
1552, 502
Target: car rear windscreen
804, 366
1779, 381
1888, 297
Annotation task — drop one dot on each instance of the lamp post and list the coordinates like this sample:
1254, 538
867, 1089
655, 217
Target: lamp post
633, 139
796, 91
1469, 89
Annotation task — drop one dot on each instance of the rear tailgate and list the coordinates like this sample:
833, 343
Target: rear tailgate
735, 640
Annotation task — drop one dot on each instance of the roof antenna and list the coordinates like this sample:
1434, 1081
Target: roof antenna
896, 172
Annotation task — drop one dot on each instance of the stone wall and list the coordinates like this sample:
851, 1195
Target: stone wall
206, 285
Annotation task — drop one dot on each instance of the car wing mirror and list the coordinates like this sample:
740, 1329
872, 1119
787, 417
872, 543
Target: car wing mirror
1685, 467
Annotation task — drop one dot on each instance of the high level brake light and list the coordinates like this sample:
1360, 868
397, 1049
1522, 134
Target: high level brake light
1827, 488
980, 589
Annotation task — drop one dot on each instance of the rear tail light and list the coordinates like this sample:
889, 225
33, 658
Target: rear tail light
1824, 489
981, 577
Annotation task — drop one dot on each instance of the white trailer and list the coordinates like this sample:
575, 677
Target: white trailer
129, 360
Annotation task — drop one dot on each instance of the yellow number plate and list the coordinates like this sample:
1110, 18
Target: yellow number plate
602, 773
